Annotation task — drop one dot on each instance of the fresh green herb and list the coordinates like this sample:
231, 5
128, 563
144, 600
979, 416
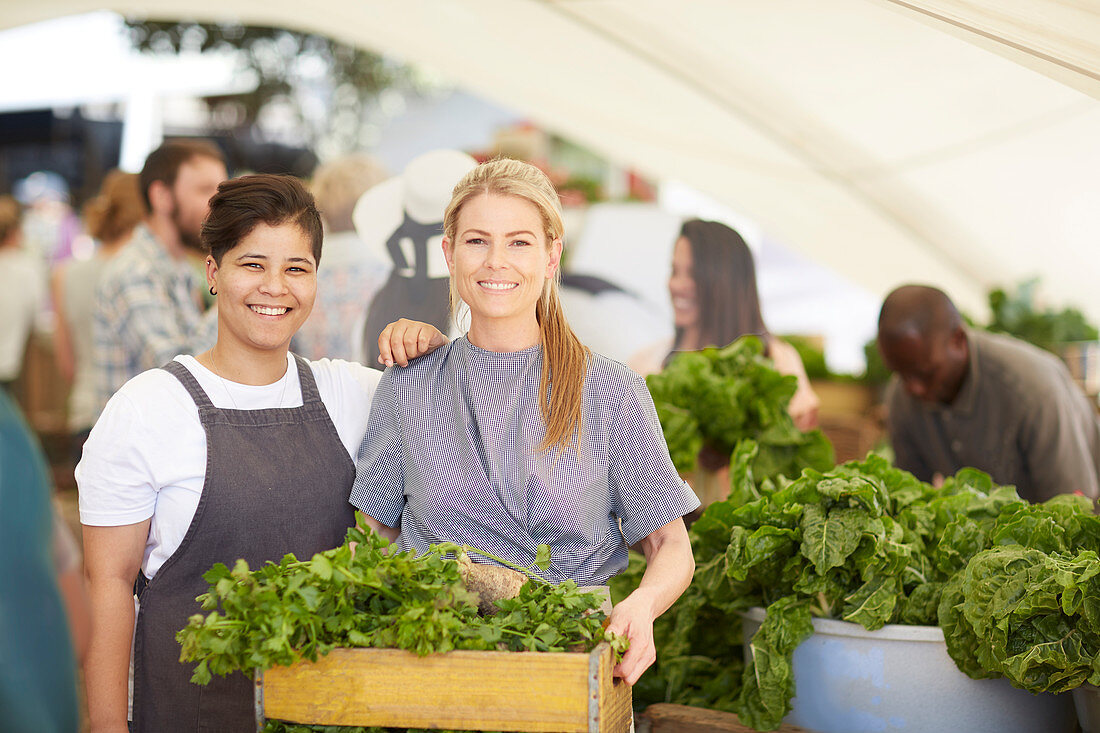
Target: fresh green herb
281, 613
1016, 313
715, 398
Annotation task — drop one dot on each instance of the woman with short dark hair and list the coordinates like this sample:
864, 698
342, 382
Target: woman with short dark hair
244, 451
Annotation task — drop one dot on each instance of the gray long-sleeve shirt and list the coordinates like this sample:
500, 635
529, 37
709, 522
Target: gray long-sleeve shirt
1018, 416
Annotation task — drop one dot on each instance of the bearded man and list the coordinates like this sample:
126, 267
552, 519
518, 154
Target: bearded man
148, 299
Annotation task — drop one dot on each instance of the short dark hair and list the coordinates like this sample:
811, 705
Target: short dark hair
163, 164
725, 283
242, 203
922, 310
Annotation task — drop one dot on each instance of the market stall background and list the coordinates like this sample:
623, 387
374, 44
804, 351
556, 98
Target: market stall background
947, 142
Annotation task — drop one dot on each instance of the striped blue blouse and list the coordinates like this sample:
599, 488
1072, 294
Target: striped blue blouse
450, 455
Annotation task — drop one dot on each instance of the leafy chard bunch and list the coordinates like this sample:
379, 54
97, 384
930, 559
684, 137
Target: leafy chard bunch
368, 597
1028, 608
864, 542
714, 398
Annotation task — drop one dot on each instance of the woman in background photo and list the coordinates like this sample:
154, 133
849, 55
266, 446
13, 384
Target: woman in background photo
715, 302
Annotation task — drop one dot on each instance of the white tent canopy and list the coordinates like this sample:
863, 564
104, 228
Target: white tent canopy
955, 142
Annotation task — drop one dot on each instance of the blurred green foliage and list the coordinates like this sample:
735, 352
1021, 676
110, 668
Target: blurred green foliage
1016, 314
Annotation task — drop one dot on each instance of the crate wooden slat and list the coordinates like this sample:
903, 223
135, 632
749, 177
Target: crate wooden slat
613, 710
669, 718
461, 690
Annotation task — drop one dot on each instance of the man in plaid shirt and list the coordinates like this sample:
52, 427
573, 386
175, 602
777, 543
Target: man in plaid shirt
148, 300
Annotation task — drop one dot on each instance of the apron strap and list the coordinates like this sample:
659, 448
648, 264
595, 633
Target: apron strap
198, 394
306, 381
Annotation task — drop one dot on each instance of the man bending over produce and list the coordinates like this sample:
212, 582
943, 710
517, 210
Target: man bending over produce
963, 397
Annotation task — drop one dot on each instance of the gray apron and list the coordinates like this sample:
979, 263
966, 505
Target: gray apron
277, 481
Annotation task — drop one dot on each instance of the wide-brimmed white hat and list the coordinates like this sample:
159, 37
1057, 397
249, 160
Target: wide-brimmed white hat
422, 190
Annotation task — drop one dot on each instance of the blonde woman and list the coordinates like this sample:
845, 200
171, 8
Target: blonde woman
516, 434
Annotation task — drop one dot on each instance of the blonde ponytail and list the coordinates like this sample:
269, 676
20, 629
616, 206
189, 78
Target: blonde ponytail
564, 364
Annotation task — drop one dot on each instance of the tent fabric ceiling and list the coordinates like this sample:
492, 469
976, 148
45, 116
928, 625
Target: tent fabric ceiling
946, 141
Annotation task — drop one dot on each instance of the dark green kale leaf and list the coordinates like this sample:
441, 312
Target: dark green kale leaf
768, 681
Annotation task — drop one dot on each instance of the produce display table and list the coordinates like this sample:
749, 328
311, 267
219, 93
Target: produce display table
461, 690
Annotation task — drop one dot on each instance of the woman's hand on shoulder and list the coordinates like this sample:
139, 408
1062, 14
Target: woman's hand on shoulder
403, 340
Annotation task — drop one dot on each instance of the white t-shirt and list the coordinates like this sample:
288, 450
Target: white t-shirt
146, 455
21, 299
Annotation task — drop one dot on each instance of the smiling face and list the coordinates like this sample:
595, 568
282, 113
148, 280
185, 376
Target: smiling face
266, 286
681, 286
500, 261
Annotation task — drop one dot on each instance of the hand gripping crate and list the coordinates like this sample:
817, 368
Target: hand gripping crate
460, 690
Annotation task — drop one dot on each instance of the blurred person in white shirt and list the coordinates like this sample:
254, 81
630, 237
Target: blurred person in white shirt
22, 294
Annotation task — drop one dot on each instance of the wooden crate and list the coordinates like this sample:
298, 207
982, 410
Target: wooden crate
461, 690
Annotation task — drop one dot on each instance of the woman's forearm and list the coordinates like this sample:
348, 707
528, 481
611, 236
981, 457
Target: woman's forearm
107, 663
112, 559
669, 566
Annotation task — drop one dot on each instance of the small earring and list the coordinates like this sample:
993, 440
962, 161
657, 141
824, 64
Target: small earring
213, 291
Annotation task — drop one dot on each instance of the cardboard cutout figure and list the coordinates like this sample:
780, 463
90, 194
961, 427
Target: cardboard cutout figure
401, 220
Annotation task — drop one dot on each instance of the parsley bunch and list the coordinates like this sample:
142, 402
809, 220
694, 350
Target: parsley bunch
367, 597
